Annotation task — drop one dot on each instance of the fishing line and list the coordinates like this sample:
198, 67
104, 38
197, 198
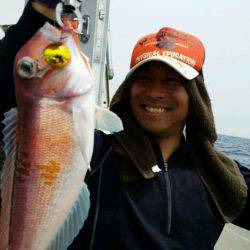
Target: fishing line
96, 210
100, 164
99, 167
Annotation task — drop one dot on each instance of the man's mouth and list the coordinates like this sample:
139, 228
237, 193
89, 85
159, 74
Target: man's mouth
157, 110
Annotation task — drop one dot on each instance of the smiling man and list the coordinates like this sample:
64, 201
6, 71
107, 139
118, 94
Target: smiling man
160, 183
177, 190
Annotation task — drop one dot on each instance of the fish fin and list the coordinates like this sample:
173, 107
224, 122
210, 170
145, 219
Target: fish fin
107, 120
7, 174
83, 119
73, 223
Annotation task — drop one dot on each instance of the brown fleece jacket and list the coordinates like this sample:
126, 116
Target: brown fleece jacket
220, 175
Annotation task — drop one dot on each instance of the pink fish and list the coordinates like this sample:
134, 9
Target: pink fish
48, 143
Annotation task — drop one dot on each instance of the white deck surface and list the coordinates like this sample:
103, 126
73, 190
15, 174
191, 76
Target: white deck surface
233, 238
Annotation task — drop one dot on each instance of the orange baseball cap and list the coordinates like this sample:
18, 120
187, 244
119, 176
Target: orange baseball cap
183, 52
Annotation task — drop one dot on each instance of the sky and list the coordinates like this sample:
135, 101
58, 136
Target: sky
223, 27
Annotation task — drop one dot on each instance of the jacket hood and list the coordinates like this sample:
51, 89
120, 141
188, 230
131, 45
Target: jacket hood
220, 175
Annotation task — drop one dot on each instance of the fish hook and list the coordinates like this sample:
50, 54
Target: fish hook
68, 15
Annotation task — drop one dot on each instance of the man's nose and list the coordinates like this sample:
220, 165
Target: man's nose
157, 90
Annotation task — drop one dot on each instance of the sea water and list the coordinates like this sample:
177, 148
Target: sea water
236, 148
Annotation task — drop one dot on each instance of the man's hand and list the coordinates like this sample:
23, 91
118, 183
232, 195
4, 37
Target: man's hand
46, 11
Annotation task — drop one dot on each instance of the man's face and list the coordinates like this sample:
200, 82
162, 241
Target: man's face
159, 102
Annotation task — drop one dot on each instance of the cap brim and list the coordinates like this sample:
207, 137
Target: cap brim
183, 69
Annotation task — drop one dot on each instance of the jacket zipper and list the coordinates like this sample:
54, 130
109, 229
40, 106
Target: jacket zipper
168, 199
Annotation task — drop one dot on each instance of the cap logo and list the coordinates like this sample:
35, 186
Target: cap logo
166, 43
174, 33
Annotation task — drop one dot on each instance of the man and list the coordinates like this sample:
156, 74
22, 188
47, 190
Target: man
151, 187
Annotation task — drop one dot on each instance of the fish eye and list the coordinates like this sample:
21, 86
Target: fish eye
27, 67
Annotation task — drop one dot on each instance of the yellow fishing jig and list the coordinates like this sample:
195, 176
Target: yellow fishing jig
57, 55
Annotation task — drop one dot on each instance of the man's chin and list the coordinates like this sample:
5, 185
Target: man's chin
156, 131
162, 133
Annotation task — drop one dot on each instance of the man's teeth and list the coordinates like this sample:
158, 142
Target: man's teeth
154, 110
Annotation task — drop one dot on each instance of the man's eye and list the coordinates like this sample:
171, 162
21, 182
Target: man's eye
173, 82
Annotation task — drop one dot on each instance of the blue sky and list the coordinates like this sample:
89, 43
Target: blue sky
223, 26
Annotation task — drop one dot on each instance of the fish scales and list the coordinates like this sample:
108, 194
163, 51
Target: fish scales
45, 173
